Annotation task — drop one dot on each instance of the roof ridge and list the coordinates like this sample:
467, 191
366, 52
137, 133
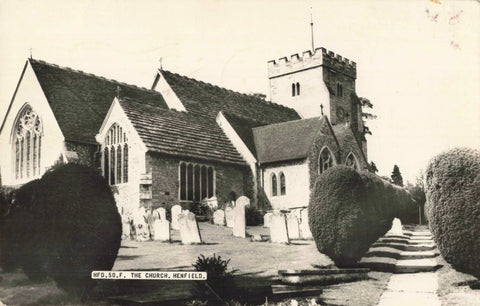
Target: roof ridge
230, 90
93, 75
288, 122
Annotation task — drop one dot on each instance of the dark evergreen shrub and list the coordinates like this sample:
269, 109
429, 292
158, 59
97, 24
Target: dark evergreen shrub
219, 278
453, 207
64, 225
253, 216
348, 211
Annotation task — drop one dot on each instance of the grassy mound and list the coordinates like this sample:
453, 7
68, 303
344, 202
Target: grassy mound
349, 211
63, 225
453, 207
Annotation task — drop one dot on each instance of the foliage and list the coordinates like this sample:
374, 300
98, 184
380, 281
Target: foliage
63, 226
372, 167
397, 176
219, 278
253, 216
452, 182
348, 211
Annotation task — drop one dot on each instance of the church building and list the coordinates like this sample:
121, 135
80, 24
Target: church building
184, 140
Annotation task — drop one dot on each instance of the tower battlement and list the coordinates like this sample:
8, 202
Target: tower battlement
309, 59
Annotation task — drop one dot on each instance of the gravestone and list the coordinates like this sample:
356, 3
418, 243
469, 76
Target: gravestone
219, 217
292, 226
229, 216
305, 232
278, 228
175, 212
189, 228
267, 219
212, 202
141, 226
160, 214
161, 230
242, 201
126, 229
239, 221
396, 228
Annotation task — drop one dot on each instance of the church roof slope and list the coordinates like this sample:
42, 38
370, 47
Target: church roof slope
80, 101
180, 134
286, 141
208, 100
343, 132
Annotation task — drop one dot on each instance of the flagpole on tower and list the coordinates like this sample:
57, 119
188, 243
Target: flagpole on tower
311, 27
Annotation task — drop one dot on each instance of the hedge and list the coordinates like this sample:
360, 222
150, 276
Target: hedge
62, 226
349, 211
453, 207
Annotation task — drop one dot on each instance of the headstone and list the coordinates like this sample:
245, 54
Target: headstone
278, 228
239, 221
396, 228
175, 212
219, 217
160, 214
267, 219
243, 201
212, 202
161, 230
141, 226
149, 219
292, 226
229, 216
305, 232
126, 227
189, 228
256, 238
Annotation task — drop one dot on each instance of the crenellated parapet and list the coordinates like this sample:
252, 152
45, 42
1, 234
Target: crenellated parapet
308, 60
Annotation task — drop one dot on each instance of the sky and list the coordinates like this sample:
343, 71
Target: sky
417, 61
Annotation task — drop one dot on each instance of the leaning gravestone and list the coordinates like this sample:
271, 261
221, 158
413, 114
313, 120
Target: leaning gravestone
278, 228
267, 219
176, 211
161, 230
292, 226
219, 217
305, 232
239, 221
189, 228
229, 216
242, 201
396, 228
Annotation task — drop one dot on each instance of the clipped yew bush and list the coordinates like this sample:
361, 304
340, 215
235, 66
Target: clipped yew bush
349, 211
64, 226
453, 207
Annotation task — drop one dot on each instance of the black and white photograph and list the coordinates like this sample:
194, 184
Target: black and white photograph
239, 152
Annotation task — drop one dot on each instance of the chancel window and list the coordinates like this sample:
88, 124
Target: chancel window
274, 184
351, 161
325, 160
115, 156
27, 144
196, 182
283, 188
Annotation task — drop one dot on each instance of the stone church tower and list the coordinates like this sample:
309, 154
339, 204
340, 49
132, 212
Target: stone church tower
317, 82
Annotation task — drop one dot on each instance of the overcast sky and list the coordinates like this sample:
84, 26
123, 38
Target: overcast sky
417, 61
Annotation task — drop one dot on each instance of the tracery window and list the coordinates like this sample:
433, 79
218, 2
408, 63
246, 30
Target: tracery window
196, 182
351, 161
115, 156
27, 144
325, 160
283, 189
274, 184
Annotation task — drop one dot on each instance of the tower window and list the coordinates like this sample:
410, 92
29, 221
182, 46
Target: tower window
339, 90
293, 89
298, 89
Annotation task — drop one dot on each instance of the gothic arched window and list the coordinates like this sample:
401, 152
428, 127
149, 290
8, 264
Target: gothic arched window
298, 89
325, 160
293, 89
283, 187
351, 161
26, 142
115, 156
274, 184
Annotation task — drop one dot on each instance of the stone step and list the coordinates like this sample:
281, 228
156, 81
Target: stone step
417, 255
419, 247
421, 233
383, 252
415, 238
420, 242
383, 264
393, 239
387, 235
285, 291
416, 265
398, 246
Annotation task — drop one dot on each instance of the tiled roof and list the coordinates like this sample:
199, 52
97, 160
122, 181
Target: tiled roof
80, 101
208, 100
286, 141
243, 127
180, 134
344, 134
